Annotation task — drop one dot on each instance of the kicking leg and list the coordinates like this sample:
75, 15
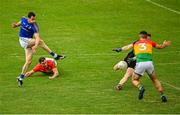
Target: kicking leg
31, 43
47, 49
44, 46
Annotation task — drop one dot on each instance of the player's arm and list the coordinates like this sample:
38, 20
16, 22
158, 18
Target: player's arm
28, 74
16, 24
55, 73
165, 44
124, 48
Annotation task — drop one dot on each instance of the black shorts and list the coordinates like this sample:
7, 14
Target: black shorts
131, 64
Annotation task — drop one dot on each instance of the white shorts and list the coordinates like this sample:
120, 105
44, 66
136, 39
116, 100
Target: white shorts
142, 67
24, 41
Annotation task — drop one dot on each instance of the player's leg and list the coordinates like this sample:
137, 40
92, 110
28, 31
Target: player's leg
42, 44
47, 49
138, 72
136, 83
129, 73
158, 86
29, 55
28, 58
136, 80
156, 82
31, 43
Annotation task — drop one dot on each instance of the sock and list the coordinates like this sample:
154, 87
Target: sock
53, 54
140, 86
21, 77
161, 93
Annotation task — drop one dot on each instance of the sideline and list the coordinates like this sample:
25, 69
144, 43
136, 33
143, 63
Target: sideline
162, 6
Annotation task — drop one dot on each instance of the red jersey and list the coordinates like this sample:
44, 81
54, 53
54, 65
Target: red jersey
49, 68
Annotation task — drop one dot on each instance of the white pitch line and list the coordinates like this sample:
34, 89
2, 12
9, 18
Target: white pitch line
162, 6
177, 88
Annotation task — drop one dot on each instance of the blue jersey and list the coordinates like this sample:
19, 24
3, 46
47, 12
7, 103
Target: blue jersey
27, 29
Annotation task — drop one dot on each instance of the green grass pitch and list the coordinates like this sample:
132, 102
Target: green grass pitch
86, 31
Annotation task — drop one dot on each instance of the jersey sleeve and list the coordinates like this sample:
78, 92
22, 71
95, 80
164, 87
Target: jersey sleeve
134, 42
36, 68
23, 19
35, 28
153, 44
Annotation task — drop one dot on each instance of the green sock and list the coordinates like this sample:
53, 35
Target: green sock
161, 93
140, 86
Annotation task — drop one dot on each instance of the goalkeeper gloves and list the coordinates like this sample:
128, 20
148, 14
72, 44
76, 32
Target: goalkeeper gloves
117, 49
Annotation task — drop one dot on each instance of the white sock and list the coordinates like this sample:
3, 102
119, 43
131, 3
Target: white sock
55, 55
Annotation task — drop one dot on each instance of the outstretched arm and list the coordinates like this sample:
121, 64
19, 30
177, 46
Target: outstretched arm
28, 74
127, 47
55, 73
165, 44
16, 24
124, 48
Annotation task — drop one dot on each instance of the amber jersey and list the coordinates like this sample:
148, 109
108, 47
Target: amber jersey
143, 50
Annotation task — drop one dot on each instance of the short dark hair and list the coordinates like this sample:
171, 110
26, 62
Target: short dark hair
143, 34
41, 59
30, 14
149, 34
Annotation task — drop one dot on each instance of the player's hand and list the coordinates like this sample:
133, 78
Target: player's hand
167, 43
13, 25
50, 78
27, 74
117, 49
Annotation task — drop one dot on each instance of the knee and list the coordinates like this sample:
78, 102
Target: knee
41, 42
135, 77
